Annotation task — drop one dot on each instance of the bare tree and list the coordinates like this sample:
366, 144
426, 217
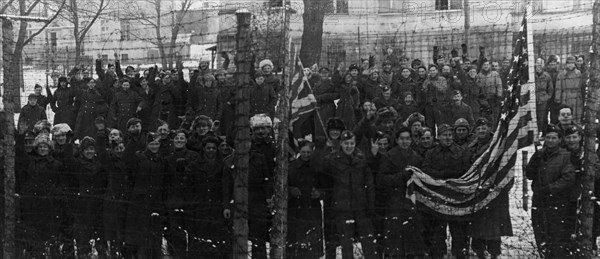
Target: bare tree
312, 35
83, 14
164, 20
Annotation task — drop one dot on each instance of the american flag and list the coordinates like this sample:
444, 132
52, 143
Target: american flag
303, 100
492, 173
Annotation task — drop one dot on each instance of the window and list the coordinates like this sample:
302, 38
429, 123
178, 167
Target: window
338, 6
448, 4
390, 6
124, 57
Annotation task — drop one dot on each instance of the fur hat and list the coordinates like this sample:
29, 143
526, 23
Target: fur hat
481, 122
260, 120
415, 117
335, 123
61, 128
265, 62
385, 114
41, 125
132, 122
43, 139
346, 135
86, 142
63, 79
258, 74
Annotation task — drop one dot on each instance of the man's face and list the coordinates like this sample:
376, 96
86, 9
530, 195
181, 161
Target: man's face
461, 133
472, 73
446, 69
28, 145
389, 51
552, 140
441, 61
565, 116
348, 146
167, 80
446, 138
324, 73
208, 83
335, 133
89, 152
415, 127
387, 94
466, 64
305, 153
224, 149
374, 76
387, 68
119, 149
43, 149
404, 140
405, 73
37, 90
202, 129
579, 61
354, 72
426, 140
60, 139
433, 72
486, 66
495, 66
261, 131
482, 131
570, 65
260, 80
125, 86
153, 146
457, 98
408, 99
573, 141
114, 135
32, 101
267, 69
100, 126
552, 64
365, 64
383, 144
135, 128
204, 65
179, 141
505, 64
307, 72
387, 125
210, 150
163, 131
403, 62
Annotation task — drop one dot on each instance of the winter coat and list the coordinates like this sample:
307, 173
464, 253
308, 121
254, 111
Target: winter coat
228, 91
325, 93
369, 90
206, 101
179, 184
435, 91
206, 182
274, 82
543, 88
61, 103
348, 103
262, 100
145, 210
29, 116
351, 182
552, 175
88, 103
405, 110
470, 91
381, 102
569, 91
402, 85
39, 198
462, 110
118, 185
124, 107
402, 224
446, 162
387, 79
304, 218
493, 220
490, 84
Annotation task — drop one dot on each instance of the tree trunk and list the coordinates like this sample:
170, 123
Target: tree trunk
279, 229
78, 50
11, 93
586, 216
13, 69
312, 35
244, 60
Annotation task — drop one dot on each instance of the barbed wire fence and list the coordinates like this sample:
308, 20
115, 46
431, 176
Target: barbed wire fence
348, 48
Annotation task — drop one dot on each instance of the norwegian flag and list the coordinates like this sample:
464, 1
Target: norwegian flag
303, 100
492, 173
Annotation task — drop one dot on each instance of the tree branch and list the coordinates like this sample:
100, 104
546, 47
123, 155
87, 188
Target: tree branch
45, 25
31, 7
89, 25
6, 6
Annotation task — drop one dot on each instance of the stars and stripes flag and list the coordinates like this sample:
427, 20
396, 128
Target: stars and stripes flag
303, 101
492, 173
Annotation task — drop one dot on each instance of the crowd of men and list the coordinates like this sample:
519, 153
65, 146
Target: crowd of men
131, 158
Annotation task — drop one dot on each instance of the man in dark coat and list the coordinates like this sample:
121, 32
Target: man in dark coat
446, 161
42, 101
353, 196
61, 102
206, 99
493, 221
31, 113
125, 105
271, 79
553, 182
262, 97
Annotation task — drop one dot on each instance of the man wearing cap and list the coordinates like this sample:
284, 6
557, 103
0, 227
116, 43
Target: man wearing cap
565, 119
387, 75
370, 86
460, 109
470, 90
462, 133
42, 100
553, 178
483, 136
262, 96
446, 161
30, 114
491, 90
569, 89
436, 97
350, 182
326, 93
